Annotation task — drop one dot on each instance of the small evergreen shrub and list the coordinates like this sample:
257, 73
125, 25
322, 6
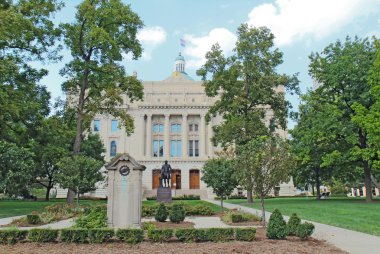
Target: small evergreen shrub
177, 213
33, 219
94, 217
305, 230
292, 225
276, 226
130, 235
219, 234
245, 234
74, 235
236, 218
42, 235
161, 213
12, 236
100, 235
187, 235
160, 235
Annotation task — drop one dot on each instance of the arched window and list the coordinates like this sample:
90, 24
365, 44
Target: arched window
113, 148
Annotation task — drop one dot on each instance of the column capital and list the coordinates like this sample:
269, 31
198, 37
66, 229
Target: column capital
203, 114
167, 115
184, 115
149, 114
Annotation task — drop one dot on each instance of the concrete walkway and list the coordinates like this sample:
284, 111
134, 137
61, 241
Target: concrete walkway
56, 225
351, 241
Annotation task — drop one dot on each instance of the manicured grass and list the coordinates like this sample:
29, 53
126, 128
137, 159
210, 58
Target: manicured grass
215, 208
349, 213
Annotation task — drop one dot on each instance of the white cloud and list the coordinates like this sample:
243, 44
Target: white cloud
292, 20
150, 38
196, 47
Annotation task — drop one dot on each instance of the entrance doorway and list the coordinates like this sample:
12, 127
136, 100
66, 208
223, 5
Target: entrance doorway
194, 179
176, 179
156, 178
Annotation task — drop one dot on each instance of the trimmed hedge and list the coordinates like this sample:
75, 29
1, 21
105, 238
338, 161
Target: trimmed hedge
177, 213
100, 235
74, 235
200, 209
245, 234
276, 226
130, 235
219, 234
161, 213
235, 217
43, 235
183, 197
188, 235
305, 230
292, 225
160, 235
12, 236
33, 219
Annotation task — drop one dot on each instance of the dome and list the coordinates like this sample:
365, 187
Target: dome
180, 57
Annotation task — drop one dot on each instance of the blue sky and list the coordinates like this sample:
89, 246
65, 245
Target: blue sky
300, 27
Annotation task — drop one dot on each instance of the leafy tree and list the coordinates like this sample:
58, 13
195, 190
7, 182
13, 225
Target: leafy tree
251, 92
79, 172
16, 169
268, 162
342, 70
102, 32
218, 174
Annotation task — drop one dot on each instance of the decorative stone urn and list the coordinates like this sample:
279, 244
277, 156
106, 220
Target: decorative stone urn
124, 192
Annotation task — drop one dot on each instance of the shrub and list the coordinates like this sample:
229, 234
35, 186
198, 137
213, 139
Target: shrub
235, 217
237, 197
33, 219
245, 234
305, 230
74, 235
199, 210
151, 198
149, 210
187, 235
187, 197
177, 213
148, 226
94, 217
238, 216
161, 213
292, 225
160, 235
130, 235
276, 226
43, 235
12, 236
219, 234
100, 235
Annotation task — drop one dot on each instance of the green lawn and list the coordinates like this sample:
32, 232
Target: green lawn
349, 213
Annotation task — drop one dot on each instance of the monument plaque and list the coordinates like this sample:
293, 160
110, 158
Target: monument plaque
124, 192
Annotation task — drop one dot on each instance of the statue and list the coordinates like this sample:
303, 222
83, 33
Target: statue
166, 171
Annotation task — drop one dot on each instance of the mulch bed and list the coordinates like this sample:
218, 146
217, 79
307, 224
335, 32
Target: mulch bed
244, 223
260, 245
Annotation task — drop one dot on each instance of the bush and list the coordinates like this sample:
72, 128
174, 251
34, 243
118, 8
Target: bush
276, 226
33, 219
199, 210
160, 235
238, 216
12, 236
161, 213
74, 235
187, 235
292, 225
43, 235
151, 198
100, 235
149, 210
94, 217
245, 234
177, 213
305, 230
148, 226
237, 197
219, 234
130, 235
235, 217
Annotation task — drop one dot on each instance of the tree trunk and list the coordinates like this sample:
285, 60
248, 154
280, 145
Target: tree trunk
221, 202
366, 168
312, 189
249, 197
48, 192
317, 183
263, 219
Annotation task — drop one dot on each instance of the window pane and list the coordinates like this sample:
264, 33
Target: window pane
195, 127
161, 128
190, 127
178, 128
190, 148
113, 148
96, 125
161, 148
179, 148
196, 144
173, 150
155, 148
155, 128
114, 126
173, 128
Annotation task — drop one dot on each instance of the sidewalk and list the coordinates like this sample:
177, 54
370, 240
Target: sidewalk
55, 225
351, 241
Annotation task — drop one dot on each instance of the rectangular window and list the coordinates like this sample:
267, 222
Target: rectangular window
161, 148
158, 148
191, 154
161, 128
174, 128
196, 148
96, 125
190, 127
173, 148
179, 148
114, 125
195, 127
155, 128
155, 148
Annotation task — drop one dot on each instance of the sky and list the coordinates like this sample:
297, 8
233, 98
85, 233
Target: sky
300, 28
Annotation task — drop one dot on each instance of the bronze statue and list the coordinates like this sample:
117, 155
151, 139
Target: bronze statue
166, 171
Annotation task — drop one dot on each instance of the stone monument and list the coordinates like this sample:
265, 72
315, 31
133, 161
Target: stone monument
164, 192
124, 192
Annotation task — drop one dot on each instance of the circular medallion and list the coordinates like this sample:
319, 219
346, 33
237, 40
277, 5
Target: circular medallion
124, 170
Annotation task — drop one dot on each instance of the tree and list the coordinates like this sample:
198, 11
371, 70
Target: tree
251, 92
79, 172
342, 70
219, 175
97, 82
269, 161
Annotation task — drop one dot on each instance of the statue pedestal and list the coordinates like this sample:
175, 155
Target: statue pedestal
164, 194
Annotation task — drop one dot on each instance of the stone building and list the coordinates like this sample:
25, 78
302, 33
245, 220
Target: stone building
170, 125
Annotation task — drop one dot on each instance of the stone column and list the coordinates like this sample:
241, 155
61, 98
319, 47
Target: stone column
167, 136
143, 143
184, 136
149, 136
202, 137
377, 192
209, 142
364, 191
353, 192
